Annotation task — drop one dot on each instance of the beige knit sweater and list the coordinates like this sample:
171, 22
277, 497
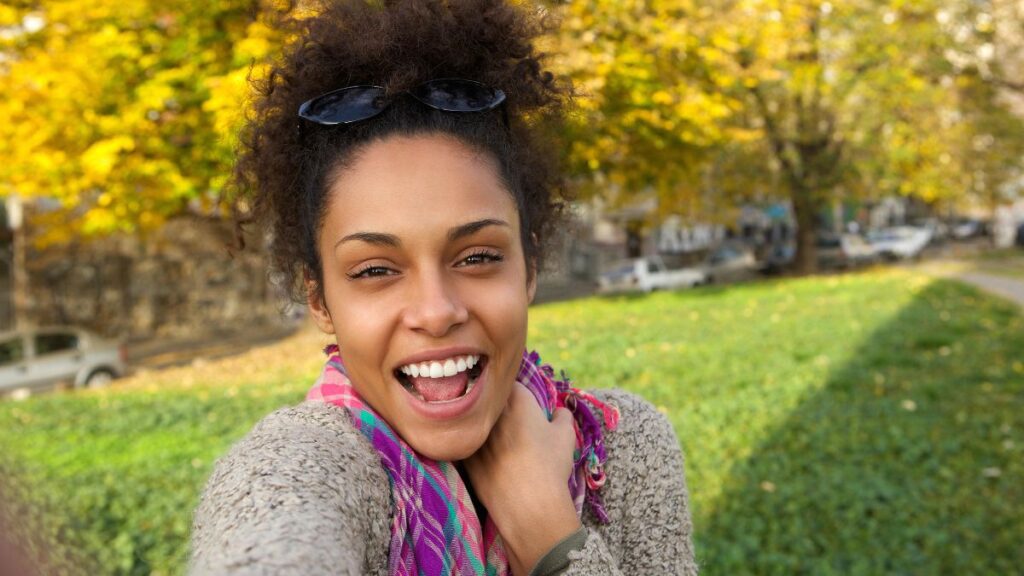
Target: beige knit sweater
305, 472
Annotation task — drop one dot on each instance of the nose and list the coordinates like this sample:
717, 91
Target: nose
434, 307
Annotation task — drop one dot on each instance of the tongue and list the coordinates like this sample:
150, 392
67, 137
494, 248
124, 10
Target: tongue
441, 389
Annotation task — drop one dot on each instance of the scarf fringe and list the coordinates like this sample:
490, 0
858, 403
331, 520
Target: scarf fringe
479, 547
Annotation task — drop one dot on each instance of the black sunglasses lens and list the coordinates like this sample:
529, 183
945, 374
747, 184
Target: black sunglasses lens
457, 95
345, 106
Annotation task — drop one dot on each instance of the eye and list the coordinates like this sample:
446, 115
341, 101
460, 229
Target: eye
372, 271
481, 257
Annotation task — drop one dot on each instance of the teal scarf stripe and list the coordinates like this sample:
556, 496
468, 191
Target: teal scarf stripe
370, 423
433, 495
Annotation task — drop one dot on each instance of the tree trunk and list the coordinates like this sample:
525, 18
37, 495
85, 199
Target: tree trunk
805, 210
19, 274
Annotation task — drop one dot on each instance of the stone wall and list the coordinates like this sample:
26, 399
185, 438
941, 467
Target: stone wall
179, 281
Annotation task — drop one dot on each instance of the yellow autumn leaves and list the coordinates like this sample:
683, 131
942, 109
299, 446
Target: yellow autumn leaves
126, 112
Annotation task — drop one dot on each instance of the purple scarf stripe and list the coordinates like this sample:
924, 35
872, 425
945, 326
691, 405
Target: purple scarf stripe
434, 528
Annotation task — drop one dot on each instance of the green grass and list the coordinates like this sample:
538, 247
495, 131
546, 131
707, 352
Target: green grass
862, 424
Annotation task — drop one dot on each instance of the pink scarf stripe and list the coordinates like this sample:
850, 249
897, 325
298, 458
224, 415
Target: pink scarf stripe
435, 529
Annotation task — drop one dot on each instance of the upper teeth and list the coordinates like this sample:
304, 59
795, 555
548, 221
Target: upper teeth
440, 369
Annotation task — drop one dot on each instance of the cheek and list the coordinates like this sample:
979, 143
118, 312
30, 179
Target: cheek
505, 319
359, 317
362, 333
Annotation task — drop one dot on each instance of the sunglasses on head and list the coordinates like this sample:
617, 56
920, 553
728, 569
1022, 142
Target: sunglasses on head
357, 103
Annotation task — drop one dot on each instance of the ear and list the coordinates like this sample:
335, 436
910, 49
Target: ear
531, 284
317, 307
531, 271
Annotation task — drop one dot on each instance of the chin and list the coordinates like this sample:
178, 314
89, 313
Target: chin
450, 446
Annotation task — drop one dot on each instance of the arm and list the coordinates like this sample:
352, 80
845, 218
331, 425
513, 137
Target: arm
646, 498
298, 495
520, 476
645, 495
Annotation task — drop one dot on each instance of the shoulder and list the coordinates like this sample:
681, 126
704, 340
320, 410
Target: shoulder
645, 492
311, 421
299, 473
642, 429
643, 448
312, 438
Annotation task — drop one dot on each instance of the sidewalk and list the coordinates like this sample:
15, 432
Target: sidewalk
1009, 286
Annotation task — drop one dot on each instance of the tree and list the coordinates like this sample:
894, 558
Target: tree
814, 100
122, 114
847, 97
1000, 54
641, 127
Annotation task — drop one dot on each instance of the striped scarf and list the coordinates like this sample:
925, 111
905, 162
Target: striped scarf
435, 529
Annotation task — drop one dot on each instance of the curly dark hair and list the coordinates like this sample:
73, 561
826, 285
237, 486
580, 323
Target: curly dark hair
285, 164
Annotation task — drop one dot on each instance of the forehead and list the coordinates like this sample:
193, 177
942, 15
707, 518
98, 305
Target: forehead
414, 183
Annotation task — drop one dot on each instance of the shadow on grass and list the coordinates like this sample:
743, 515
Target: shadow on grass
908, 460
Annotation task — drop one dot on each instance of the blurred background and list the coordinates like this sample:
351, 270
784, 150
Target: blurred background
798, 231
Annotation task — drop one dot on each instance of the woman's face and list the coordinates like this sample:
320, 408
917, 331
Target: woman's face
426, 288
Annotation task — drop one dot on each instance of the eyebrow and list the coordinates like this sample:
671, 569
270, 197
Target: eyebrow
471, 228
375, 238
392, 241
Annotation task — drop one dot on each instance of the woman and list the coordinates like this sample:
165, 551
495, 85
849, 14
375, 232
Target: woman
395, 152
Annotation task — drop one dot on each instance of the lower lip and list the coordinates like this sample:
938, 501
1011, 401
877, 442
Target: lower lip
452, 408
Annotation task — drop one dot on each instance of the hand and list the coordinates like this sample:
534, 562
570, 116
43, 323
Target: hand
521, 475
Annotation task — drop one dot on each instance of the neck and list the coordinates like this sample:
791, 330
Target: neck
481, 512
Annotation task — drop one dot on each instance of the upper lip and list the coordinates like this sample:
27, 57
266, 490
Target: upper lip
439, 354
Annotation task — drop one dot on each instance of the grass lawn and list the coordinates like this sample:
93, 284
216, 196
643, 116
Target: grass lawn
863, 424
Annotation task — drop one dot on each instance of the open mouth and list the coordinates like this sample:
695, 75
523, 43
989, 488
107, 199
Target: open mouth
437, 382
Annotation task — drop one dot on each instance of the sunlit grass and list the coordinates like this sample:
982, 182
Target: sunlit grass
865, 423
857, 424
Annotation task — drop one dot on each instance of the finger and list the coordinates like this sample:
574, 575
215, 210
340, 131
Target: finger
515, 409
562, 417
564, 422
520, 393
515, 399
524, 403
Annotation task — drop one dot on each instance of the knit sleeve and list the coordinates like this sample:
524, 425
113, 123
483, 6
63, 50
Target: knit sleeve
298, 495
645, 497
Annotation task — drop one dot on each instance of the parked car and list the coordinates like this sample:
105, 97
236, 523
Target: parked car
46, 358
901, 242
844, 251
646, 275
967, 228
939, 231
778, 258
730, 262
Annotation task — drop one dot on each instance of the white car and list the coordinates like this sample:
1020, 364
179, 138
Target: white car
901, 242
844, 251
45, 358
646, 275
966, 228
729, 262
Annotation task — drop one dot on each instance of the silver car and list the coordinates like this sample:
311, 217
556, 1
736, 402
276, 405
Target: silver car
47, 358
730, 262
